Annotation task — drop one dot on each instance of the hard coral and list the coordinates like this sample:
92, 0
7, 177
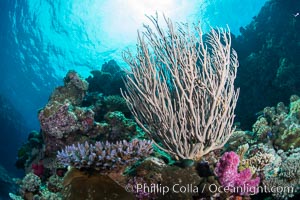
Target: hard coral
116, 103
79, 185
31, 183
74, 89
257, 162
279, 125
287, 176
106, 155
55, 183
120, 127
227, 171
59, 119
107, 81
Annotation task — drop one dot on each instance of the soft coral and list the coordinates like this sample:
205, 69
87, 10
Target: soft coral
227, 171
38, 168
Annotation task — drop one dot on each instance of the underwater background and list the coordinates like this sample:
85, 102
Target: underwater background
42, 40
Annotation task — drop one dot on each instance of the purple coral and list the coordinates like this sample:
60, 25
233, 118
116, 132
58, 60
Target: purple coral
238, 182
139, 193
104, 155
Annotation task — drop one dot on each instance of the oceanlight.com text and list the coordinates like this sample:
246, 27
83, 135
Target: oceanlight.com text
213, 188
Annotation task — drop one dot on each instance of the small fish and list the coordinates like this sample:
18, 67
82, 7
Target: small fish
260, 113
269, 134
296, 14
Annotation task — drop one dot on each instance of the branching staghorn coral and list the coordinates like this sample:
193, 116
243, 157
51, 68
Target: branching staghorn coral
106, 155
181, 89
257, 162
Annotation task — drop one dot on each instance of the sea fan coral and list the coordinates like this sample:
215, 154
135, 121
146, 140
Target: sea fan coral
104, 155
184, 99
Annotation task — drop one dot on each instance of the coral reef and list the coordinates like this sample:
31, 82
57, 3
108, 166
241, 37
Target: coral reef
71, 124
15, 197
63, 117
184, 177
156, 174
38, 168
81, 112
257, 162
280, 125
277, 169
239, 138
138, 193
271, 149
75, 114
283, 174
31, 187
69, 118
116, 103
277, 126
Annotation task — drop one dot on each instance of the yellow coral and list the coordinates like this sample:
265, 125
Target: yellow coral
257, 162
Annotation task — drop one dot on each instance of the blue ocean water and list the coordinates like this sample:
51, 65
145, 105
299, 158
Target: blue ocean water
42, 39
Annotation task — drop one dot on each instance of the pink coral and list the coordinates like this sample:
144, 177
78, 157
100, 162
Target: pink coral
237, 182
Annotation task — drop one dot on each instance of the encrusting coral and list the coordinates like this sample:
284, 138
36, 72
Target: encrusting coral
59, 120
79, 185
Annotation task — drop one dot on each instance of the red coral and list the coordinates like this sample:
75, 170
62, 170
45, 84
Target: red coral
38, 168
